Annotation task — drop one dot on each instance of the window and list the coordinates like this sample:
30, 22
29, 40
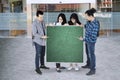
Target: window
13, 19
104, 5
7, 6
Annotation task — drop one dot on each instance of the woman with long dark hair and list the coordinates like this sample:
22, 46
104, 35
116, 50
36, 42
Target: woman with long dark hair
74, 21
61, 20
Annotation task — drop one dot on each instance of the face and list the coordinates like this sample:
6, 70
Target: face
73, 20
60, 19
40, 18
87, 17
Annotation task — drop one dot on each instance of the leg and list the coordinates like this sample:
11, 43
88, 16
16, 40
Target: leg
38, 55
76, 64
71, 67
57, 65
37, 58
76, 67
92, 56
88, 59
91, 50
42, 58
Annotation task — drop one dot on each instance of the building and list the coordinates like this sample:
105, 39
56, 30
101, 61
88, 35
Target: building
12, 17
16, 16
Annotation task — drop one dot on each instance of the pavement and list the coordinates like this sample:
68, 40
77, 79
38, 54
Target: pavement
17, 61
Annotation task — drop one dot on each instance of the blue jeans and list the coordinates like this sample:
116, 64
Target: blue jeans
88, 59
91, 55
40, 54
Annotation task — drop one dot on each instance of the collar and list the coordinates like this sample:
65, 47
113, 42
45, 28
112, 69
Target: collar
38, 21
94, 20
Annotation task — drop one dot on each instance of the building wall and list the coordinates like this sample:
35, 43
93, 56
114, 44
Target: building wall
58, 1
10, 20
116, 5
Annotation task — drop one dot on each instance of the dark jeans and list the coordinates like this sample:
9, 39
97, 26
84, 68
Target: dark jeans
57, 65
40, 54
88, 59
91, 55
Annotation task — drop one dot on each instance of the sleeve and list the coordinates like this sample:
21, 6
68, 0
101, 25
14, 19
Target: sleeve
35, 31
94, 30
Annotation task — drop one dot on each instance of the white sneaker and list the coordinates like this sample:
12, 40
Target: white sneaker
70, 68
76, 68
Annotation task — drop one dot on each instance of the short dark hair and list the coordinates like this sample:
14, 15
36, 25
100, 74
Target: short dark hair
39, 13
90, 12
63, 17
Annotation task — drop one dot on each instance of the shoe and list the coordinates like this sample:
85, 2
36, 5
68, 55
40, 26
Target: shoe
38, 71
44, 67
86, 66
58, 70
62, 67
70, 68
76, 68
91, 72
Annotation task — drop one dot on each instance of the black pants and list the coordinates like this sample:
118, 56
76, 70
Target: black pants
88, 59
57, 65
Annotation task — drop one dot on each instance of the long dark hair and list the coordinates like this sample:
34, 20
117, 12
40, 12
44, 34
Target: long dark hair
90, 12
63, 17
74, 16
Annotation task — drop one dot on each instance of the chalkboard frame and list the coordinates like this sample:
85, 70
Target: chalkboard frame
63, 44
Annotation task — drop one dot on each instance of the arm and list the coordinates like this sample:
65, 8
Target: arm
35, 31
94, 30
91, 31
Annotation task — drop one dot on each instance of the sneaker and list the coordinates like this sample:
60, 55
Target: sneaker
38, 71
70, 68
58, 70
44, 67
91, 72
76, 68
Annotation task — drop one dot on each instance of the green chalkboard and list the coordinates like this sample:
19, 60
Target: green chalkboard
63, 44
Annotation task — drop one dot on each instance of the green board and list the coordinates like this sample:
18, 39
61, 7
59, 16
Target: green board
63, 44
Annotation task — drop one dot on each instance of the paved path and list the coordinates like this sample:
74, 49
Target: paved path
17, 62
